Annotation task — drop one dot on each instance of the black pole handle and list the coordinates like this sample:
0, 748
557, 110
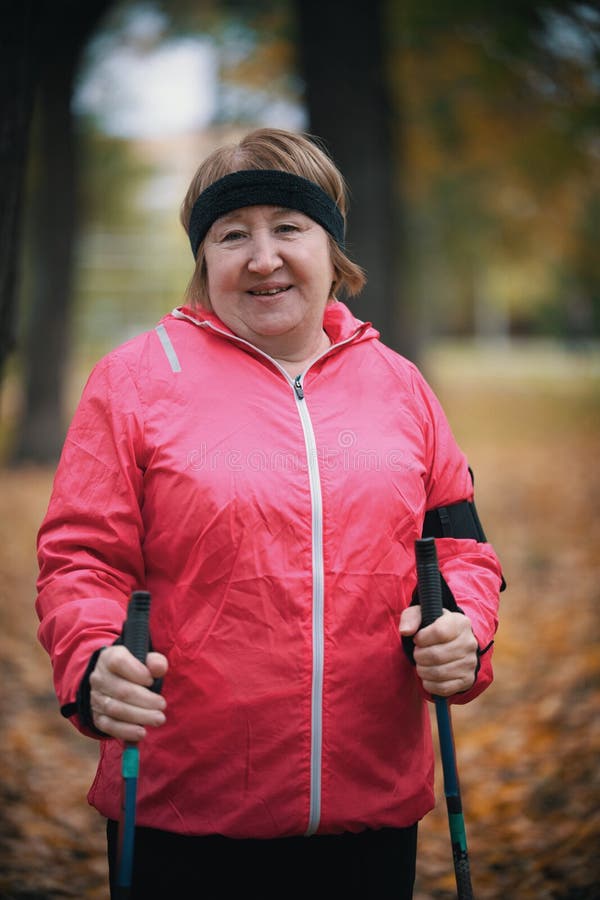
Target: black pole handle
136, 632
428, 580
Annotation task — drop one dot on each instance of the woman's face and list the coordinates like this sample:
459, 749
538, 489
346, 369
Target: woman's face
269, 276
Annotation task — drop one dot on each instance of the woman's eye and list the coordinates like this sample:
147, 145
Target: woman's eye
232, 236
286, 227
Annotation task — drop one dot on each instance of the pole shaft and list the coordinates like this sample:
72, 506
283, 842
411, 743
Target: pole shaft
136, 638
430, 597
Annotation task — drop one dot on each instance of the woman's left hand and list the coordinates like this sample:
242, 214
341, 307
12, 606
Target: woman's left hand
445, 651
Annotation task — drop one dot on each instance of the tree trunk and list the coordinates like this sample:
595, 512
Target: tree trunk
18, 65
52, 213
343, 60
53, 216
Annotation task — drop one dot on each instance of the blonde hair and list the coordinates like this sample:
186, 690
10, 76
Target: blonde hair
273, 148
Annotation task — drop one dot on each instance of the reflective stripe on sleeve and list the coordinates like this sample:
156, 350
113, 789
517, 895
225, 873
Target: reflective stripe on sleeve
168, 347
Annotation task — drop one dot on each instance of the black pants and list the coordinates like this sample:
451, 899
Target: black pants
372, 865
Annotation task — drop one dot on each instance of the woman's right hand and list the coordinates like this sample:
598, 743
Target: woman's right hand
121, 701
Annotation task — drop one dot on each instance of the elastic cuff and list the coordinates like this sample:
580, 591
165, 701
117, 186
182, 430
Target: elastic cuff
81, 706
480, 653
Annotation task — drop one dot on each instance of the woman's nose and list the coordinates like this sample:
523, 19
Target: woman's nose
264, 255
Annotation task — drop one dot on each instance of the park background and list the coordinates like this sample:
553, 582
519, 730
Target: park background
470, 137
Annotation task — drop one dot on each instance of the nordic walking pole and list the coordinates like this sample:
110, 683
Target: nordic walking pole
430, 598
136, 639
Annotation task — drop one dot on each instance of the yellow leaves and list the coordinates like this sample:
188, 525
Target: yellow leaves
499, 166
528, 749
271, 63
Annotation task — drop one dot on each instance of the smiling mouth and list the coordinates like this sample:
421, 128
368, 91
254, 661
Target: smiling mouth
270, 292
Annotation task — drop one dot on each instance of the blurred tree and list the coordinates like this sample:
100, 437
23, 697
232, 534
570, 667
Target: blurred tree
344, 58
502, 127
468, 135
333, 56
19, 36
65, 26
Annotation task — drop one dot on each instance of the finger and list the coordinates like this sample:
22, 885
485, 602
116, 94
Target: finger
445, 685
448, 688
460, 650
120, 711
410, 620
451, 629
120, 730
122, 720
448, 671
450, 678
119, 661
127, 692
439, 632
157, 664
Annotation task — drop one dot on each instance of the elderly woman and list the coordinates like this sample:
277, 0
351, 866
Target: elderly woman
263, 464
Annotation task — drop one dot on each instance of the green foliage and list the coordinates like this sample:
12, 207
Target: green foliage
498, 123
112, 173
499, 115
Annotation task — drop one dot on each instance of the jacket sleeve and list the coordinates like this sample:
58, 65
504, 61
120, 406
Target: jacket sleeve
90, 542
469, 566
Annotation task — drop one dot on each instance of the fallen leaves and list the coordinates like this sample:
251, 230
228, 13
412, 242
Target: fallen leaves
527, 749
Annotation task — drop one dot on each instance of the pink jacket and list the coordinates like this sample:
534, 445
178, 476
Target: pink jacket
274, 525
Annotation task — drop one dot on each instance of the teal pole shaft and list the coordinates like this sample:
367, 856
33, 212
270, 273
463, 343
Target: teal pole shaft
130, 762
137, 640
430, 598
456, 822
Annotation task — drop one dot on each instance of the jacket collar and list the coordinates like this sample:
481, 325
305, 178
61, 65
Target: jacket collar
339, 323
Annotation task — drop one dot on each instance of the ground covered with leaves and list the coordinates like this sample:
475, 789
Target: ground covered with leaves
528, 749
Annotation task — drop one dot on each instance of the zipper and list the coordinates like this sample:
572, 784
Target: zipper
318, 574
318, 608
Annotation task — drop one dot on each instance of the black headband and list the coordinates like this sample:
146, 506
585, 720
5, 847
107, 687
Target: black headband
263, 187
